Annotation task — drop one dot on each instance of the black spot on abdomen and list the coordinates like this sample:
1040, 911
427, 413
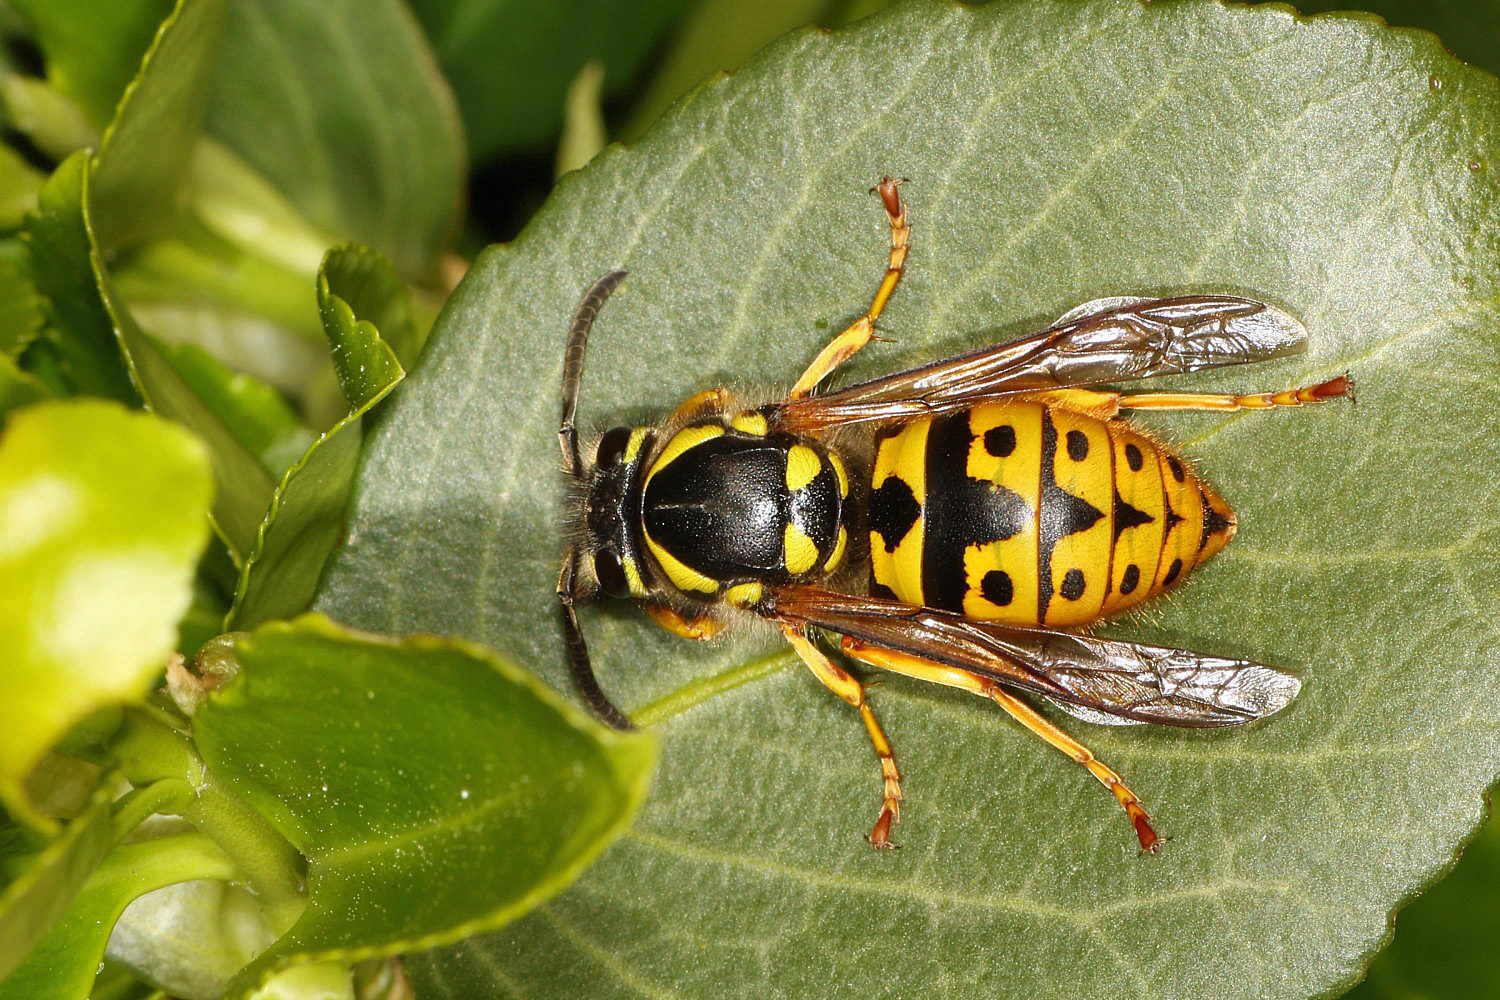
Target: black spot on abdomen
1073, 584
997, 587
1172, 572
1000, 441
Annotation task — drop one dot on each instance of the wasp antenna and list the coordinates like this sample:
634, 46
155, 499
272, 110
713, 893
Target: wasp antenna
578, 650
578, 339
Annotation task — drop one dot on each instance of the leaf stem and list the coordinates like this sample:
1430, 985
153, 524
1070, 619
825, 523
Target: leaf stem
699, 691
153, 753
149, 748
169, 795
271, 865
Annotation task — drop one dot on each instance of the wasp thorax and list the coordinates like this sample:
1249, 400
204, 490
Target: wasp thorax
722, 506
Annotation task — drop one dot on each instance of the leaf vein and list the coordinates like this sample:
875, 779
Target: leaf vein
623, 972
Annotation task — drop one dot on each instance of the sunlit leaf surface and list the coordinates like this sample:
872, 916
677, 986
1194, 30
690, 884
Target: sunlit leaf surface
1057, 152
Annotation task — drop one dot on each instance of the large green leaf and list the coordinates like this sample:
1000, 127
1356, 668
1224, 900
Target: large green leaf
1057, 152
1470, 28
339, 104
1443, 940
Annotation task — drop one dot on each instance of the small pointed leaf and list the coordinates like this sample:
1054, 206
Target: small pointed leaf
435, 789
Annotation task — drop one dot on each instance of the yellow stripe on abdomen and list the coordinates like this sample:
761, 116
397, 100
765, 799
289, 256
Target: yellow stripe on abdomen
1140, 517
1184, 522
1006, 450
1078, 520
897, 501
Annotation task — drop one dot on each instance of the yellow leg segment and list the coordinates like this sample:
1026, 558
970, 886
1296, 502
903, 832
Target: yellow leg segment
716, 400
937, 673
1341, 386
846, 686
701, 628
1105, 405
846, 344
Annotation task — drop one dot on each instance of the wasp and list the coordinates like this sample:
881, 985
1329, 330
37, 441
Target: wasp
954, 523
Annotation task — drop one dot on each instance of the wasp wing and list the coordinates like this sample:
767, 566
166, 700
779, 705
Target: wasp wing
1107, 340
1090, 677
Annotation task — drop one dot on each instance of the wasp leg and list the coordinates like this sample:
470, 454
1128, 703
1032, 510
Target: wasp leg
847, 687
937, 673
715, 400
846, 344
702, 628
1341, 386
1105, 405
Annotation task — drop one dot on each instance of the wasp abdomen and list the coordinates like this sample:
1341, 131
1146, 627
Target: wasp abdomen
1033, 514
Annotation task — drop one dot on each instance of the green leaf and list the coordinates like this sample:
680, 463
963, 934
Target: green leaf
89, 323
103, 521
63, 965
364, 279
583, 132
144, 155
93, 49
196, 267
51, 121
1058, 152
339, 105
510, 61
306, 518
418, 826
1470, 28
1442, 945
20, 183
35, 900
18, 388
359, 297
20, 310
77, 333
253, 411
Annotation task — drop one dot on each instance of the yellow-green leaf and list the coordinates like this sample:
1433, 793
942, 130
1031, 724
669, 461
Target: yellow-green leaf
103, 513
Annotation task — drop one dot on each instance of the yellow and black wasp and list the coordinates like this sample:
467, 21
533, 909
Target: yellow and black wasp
992, 502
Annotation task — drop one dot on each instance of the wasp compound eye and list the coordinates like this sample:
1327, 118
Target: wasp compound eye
612, 447
611, 573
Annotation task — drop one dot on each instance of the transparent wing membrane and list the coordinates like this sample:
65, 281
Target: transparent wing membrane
1107, 340
1087, 675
